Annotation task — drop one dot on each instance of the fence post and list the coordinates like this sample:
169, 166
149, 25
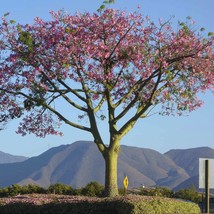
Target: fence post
207, 187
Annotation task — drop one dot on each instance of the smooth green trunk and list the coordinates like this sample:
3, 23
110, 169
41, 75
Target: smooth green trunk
111, 185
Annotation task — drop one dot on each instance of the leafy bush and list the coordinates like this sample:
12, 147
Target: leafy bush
189, 194
32, 188
93, 189
13, 190
157, 191
61, 189
16, 189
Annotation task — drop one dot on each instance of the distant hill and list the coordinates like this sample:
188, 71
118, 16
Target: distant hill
155, 168
188, 183
79, 163
188, 159
7, 158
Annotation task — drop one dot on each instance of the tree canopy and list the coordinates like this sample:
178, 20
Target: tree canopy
124, 59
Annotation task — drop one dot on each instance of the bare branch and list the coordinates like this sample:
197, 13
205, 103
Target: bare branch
139, 85
73, 91
75, 125
122, 37
140, 111
97, 108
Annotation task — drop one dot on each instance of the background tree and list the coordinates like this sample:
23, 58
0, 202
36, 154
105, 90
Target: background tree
110, 65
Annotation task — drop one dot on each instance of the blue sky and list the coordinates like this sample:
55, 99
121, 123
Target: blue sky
157, 132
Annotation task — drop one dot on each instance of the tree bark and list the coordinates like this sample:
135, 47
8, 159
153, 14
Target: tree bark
111, 185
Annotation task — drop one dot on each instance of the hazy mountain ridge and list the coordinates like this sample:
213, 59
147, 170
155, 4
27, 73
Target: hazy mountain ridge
188, 159
8, 158
80, 163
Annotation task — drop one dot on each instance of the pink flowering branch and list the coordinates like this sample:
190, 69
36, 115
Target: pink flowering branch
89, 60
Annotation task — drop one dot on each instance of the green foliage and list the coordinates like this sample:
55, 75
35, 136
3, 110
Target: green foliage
185, 27
189, 194
77, 191
32, 188
6, 14
93, 189
157, 191
16, 189
119, 205
13, 190
61, 189
164, 205
12, 22
121, 191
26, 38
103, 6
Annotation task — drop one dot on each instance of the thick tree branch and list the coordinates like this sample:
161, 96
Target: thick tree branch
91, 115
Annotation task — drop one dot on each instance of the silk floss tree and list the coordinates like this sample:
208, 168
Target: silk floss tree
111, 65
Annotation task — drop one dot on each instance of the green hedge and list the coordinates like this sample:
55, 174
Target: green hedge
130, 204
164, 205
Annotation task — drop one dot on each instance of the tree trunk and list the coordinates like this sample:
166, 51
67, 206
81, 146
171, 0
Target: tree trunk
111, 185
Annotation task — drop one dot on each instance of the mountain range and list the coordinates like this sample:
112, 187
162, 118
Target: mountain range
79, 163
8, 158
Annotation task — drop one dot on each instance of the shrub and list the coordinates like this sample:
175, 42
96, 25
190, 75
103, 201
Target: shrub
189, 194
33, 188
77, 191
61, 189
93, 189
14, 189
157, 191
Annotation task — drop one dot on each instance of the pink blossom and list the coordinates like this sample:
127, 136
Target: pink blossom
80, 61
